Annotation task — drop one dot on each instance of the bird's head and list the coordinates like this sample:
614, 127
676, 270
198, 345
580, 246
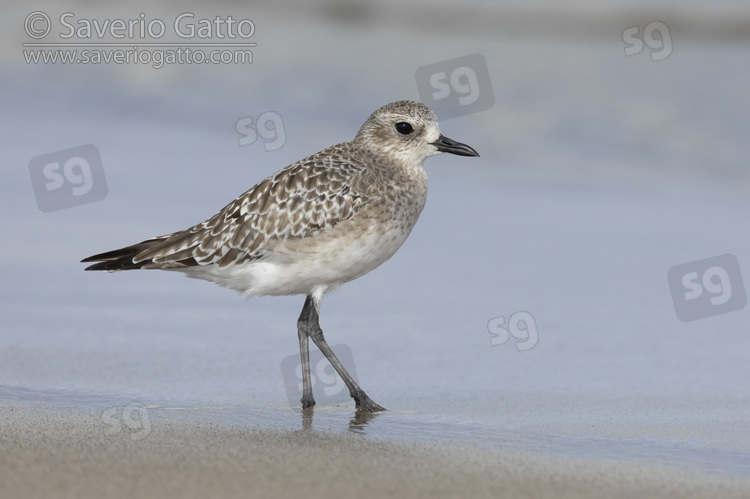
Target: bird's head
408, 132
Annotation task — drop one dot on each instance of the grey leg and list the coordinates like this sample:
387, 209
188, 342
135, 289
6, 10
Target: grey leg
304, 353
313, 330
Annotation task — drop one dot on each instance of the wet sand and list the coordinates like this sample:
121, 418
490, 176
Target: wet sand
73, 454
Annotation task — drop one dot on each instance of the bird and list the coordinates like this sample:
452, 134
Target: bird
315, 224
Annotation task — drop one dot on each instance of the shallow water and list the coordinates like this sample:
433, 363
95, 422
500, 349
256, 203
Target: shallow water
599, 172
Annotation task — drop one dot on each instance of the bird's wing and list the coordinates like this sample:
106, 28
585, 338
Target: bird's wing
306, 197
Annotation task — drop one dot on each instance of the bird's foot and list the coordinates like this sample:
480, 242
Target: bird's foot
365, 403
307, 402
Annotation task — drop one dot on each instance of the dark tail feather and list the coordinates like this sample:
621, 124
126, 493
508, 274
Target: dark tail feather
121, 259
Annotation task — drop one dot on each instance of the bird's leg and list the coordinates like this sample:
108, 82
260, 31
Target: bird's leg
304, 352
361, 400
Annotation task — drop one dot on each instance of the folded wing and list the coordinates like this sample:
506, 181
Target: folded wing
300, 200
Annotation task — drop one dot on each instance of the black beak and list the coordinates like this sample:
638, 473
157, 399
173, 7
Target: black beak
444, 144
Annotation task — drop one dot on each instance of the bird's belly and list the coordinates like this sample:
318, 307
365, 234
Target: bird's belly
313, 264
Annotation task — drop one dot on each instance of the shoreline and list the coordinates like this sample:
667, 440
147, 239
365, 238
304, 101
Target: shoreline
76, 454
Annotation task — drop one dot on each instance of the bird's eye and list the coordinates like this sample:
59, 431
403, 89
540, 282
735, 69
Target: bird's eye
404, 128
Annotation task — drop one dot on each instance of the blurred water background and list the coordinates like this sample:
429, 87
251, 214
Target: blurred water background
599, 172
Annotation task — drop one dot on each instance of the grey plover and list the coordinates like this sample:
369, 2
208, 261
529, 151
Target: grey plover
318, 223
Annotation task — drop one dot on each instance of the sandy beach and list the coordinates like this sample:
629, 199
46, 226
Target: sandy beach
67, 454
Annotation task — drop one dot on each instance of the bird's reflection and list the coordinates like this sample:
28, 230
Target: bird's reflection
307, 418
357, 423
361, 419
